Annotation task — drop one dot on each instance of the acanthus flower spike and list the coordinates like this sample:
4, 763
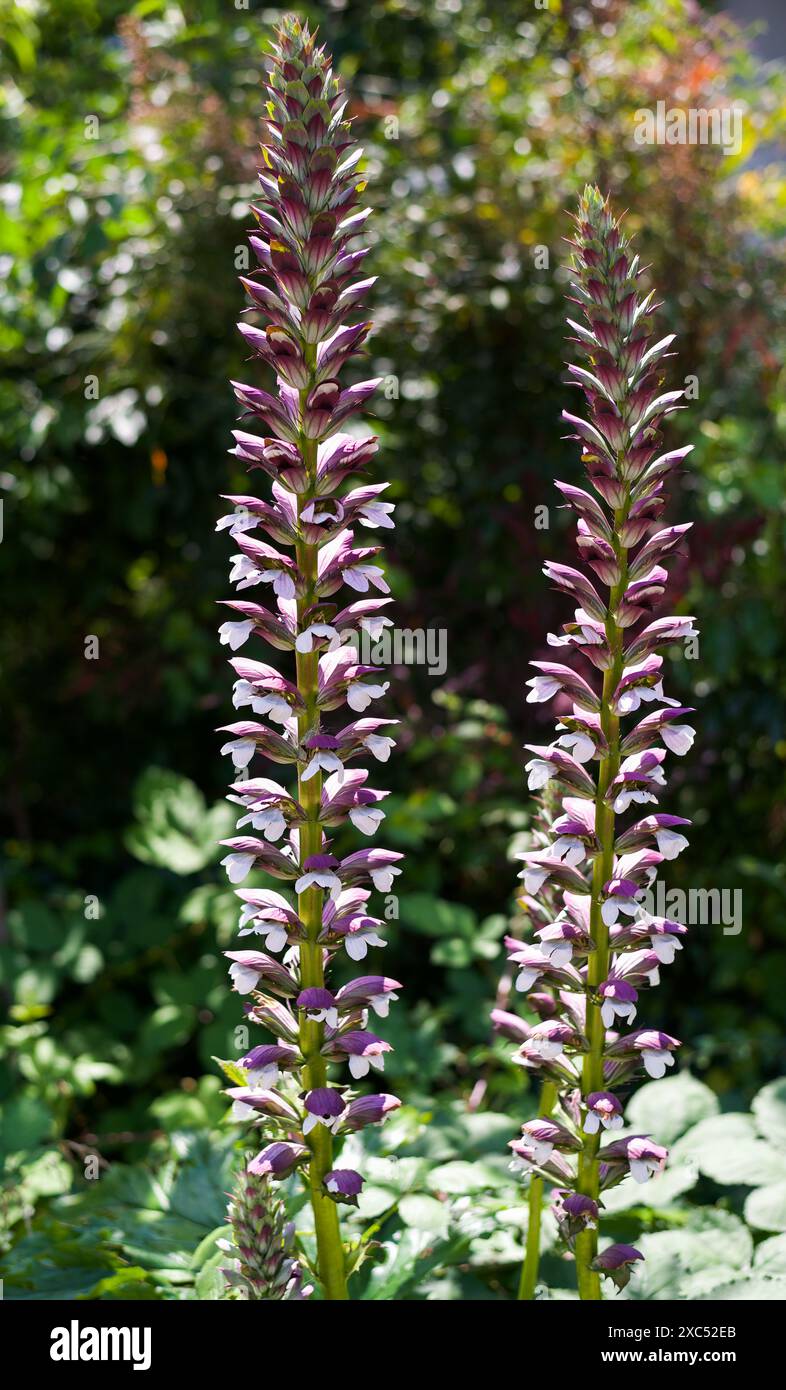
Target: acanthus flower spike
595, 948
297, 550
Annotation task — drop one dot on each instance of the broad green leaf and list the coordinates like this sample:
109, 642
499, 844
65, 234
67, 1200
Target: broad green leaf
424, 1213
770, 1256
769, 1108
751, 1288
459, 1178
727, 1149
175, 829
24, 1123
765, 1209
713, 1239
667, 1108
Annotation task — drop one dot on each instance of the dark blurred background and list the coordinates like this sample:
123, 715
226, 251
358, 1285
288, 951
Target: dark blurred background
128, 157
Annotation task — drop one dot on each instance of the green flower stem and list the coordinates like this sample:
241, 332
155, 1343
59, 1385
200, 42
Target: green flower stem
330, 1250
592, 1078
529, 1269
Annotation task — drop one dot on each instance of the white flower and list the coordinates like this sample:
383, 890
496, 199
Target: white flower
243, 977
366, 819
527, 977
519, 1165
328, 762
263, 1077
543, 687
678, 738
612, 908
356, 945
379, 746
276, 709
628, 795
642, 1169
270, 822
375, 626
636, 695
558, 952
359, 577
670, 844
243, 572
329, 511
656, 1062
283, 584
534, 878
328, 1015
543, 1046
360, 694
359, 1066
317, 878
540, 772
242, 751
274, 935
241, 1111
580, 746
238, 521
665, 947
234, 635
568, 849
329, 1121
304, 642
238, 866
382, 878
612, 1009
541, 1149
377, 514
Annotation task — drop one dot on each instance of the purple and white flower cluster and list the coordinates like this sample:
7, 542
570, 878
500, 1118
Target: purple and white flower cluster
305, 300
587, 962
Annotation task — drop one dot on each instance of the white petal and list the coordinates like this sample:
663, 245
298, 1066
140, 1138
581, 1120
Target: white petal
238, 866
670, 844
243, 977
678, 738
366, 819
234, 635
639, 1170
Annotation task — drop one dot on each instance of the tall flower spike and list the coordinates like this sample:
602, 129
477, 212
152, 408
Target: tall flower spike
262, 1265
307, 292
591, 959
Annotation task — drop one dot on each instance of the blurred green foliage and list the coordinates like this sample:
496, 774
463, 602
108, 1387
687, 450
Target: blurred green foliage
127, 148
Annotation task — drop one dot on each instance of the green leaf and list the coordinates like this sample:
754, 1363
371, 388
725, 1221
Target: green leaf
424, 1213
769, 1107
766, 1207
752, 1288
232, 1071
373, 1201
770, 1256
458, 1178
406, 1260
714, 1239
667, 1108
24, 1123
727, 1149
433, 916
175, 830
